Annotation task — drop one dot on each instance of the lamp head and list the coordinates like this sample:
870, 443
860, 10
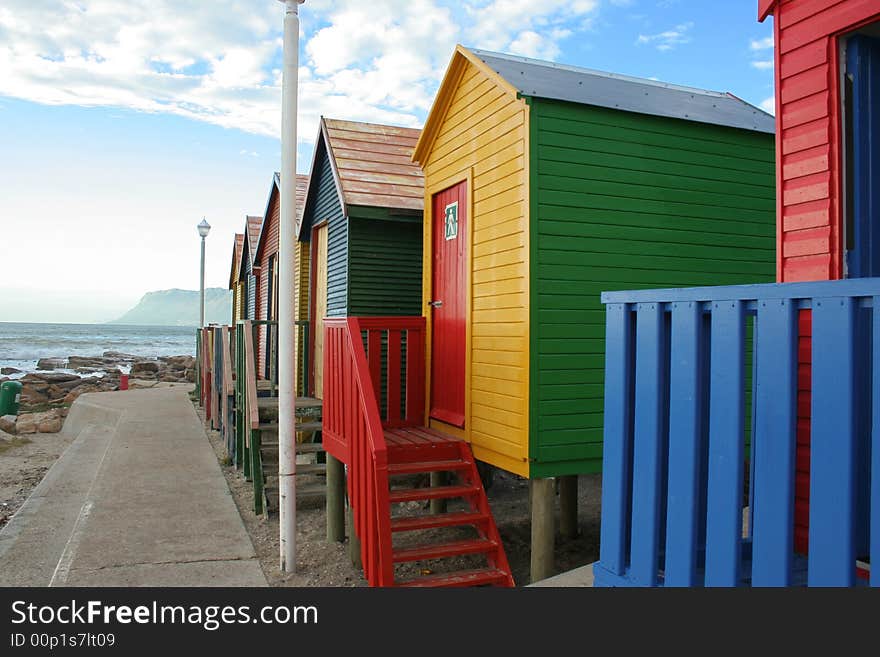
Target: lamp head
204, 228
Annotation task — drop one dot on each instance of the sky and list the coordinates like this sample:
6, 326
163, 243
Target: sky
122, 124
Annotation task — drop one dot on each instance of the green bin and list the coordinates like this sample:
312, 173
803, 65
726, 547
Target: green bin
10, 396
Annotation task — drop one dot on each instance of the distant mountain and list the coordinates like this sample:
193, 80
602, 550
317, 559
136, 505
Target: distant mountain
179, 308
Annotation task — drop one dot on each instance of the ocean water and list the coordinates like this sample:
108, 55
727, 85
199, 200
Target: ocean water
22, 345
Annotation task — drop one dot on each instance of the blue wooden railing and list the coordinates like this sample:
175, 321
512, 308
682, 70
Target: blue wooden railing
675, 449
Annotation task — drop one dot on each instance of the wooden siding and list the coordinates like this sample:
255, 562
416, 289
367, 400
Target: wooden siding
326, 207
482, 138
385, 267
624, 201
301, 306
810, 175
808, 133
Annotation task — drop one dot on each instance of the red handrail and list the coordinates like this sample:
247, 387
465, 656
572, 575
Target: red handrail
354, 428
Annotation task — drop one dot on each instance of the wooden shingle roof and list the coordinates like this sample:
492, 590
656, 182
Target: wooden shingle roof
236, 258
373, 164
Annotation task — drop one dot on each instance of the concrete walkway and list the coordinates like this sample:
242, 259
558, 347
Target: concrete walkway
138, 499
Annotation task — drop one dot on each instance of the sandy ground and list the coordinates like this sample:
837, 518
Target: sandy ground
24, 460
320, 563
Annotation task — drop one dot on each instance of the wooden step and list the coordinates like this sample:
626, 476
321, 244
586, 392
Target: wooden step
301, 468
477, 577
430, 493
435, 521
441, 550
303, 427
301, 448
427, 466
312, 491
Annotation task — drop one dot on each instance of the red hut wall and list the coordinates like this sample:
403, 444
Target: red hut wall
809, 169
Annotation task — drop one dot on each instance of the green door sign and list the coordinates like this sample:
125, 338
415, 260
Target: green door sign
452, 221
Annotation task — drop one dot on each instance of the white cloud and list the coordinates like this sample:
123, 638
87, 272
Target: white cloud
769, 105
761, 44
218, 62
664, 41
763, 64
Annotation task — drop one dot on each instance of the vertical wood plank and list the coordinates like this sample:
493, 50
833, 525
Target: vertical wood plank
726, 410
875, 447
617, 446
648, 443
415, 376
833, 444
374, 359
685, 445
394, 351
774, 443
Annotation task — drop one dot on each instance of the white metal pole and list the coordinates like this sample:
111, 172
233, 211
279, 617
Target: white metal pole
286, 269
202, 288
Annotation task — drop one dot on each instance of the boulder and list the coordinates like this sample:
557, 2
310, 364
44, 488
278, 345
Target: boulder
87, 361
27, 423
52, 377
118, 355
50, 425
51, 363
88, 370
190, 375
46, 422
7, 423
10, 370
144, 367
80, 390
179, 362
33, 395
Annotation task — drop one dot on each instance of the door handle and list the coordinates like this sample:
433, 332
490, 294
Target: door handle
435, 304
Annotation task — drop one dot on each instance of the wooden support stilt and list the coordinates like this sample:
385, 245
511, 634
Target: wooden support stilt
568, 506
354, 543
335, 499
543, 497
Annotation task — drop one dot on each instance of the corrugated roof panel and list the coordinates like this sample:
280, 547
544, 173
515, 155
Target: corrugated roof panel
374, 164
541, 79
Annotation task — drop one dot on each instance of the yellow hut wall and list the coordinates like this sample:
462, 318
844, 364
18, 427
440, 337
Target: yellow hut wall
301, 307
238, 302
483, 139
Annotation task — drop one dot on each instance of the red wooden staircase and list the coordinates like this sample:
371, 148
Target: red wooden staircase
373, 422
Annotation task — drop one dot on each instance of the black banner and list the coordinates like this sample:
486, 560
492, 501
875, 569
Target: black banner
407, 622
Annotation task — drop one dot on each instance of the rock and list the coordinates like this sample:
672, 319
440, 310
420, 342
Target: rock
179, 362
51, 363
52, 425
46, 422
140, 383
84, 361
27, 423
51, 377
144, 367
118, 355
88, 370
31, 396
10, 370
7, 423
190, 375
80, 390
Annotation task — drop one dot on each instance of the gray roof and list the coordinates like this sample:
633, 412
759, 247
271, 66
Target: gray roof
532, 77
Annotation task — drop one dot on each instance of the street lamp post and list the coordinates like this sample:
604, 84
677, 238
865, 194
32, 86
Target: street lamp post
204, 228
286, 319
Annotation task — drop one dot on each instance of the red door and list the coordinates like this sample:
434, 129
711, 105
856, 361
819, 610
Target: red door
449, 285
